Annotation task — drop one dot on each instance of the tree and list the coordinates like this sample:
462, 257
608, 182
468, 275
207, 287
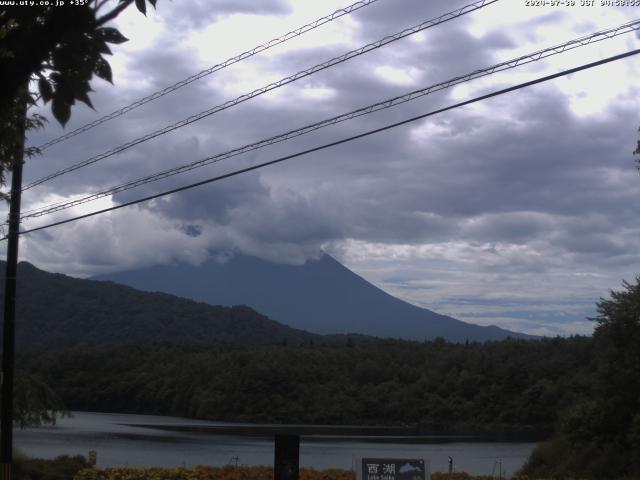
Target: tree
599, 437
617, 339
35, 401
11, 134
61, 47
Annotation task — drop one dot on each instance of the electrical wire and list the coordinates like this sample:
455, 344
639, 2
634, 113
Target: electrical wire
272, 86
388, 103
338, 142
230, 61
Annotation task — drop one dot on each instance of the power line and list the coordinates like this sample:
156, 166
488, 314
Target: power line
339, 142
575, 43
524, 59
292, 78
249, 53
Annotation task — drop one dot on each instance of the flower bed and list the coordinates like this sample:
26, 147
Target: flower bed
233, 473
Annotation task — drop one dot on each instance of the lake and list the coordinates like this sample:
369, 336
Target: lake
146, 440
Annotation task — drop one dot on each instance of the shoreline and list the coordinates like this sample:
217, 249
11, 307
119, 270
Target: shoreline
334, 432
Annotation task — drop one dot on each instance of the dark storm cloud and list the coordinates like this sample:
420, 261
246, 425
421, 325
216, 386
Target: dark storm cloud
511, 193
211, 204
356, 85
557, 163
161, 153
395, 199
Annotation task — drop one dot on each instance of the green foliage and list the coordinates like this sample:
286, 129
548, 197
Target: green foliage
633, 439
62, 47
12, 125
35, 403
57, 311
60, 468
599, 437
437, 387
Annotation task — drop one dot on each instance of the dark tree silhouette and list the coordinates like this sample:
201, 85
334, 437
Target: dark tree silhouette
599, 437
60, 47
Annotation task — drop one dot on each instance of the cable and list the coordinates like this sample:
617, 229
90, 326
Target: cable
625, 28
338, 142
243, 98
575, 43
249, 53
334, 61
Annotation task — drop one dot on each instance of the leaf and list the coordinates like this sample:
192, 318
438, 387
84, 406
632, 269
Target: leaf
31, 100
142, 6
61, 110
45, 89
112, 35
102, 47
103, 70
84, 98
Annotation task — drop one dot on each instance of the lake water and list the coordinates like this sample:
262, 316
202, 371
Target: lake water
137, 440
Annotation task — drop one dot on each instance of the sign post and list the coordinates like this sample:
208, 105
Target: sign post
287, 457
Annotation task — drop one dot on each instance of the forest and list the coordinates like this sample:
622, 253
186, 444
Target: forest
57, 312
512, 387
580, 394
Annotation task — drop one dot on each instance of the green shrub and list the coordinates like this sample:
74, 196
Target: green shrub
60, 468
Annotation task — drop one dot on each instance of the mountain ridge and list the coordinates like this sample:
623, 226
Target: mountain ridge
56, 311
321, 296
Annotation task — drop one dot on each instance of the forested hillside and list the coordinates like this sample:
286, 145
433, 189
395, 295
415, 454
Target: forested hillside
56, 311
512, 386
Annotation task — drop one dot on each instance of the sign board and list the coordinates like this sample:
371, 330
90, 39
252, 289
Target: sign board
392, 469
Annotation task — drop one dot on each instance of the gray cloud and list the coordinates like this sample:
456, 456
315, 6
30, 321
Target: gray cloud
200, 13
521, 189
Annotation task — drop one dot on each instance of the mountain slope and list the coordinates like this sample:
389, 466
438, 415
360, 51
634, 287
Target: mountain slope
55, 311
321, 296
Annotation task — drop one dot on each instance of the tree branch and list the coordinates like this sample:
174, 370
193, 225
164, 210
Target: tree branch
113, 13
99, 4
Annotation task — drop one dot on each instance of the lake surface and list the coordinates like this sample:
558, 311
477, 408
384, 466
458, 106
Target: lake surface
140, 440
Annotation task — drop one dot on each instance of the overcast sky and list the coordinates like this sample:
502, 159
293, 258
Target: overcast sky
520, 211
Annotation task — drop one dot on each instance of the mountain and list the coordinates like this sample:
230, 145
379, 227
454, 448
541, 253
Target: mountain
55, 311
321, 296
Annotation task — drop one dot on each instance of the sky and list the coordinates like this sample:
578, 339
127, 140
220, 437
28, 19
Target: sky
519, 211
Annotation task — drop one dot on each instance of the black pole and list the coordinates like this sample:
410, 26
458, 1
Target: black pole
8, 343
287, 457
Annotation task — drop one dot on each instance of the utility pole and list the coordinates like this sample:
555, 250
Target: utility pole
8, 344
